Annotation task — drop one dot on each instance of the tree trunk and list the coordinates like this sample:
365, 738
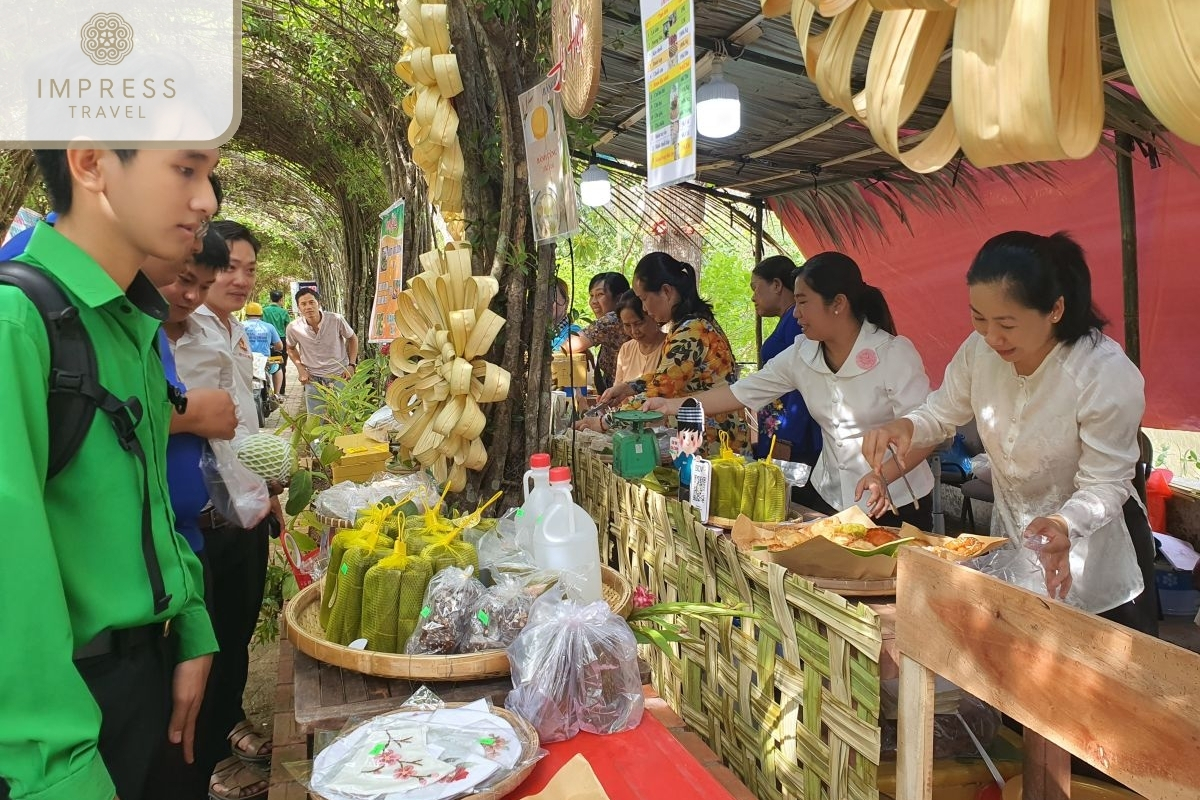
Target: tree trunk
18, 173
496, 66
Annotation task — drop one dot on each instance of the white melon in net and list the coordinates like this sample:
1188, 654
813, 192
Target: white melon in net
267, 455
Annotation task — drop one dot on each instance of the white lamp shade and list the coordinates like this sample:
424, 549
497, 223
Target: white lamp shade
718, 107
594, 188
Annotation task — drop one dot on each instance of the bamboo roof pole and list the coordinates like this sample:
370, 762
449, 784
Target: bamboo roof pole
758, 257
1129, 249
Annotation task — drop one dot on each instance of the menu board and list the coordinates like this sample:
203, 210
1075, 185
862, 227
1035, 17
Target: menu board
668, 41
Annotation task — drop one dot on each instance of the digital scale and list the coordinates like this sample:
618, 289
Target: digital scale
635, 449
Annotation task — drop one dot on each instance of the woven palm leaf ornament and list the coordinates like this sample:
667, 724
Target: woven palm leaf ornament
442, 377
1026, 74
577, 34
1160, 42
427, 65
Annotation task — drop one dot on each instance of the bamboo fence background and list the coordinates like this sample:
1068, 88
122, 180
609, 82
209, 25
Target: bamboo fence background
790, 702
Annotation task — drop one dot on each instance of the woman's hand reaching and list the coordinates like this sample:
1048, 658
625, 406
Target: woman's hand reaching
1049, 538
876, 443
615, 394
664, 405
878, 501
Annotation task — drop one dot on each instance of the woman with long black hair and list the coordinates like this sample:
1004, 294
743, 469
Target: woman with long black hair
696, 354
855, 373
1059, 406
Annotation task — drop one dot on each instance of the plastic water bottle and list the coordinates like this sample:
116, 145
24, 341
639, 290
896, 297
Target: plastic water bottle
537, 499
566, 540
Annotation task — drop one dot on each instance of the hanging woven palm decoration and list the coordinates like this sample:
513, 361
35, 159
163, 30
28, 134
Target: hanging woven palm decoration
442, 378
577, 34
446, 327
427, 65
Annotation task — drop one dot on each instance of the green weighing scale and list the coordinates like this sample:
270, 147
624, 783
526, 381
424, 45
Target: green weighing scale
635, 449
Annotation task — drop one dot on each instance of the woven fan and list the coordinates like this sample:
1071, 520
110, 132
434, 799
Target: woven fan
1161, 48
1026, 80
578, 34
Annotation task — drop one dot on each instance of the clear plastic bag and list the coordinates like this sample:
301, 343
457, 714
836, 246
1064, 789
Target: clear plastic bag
237, 494
574, 668
380, 425
950, 737
500, 615
451, 598
344, 500
500, 552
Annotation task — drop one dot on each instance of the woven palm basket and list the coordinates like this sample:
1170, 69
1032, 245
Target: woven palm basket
304, 631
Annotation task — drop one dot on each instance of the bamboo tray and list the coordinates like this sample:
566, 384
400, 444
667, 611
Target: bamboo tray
530, 744
304, 631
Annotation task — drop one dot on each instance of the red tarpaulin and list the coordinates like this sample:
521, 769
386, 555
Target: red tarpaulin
922, 271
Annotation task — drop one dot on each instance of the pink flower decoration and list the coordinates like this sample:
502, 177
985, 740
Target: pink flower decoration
866, 359
643, 597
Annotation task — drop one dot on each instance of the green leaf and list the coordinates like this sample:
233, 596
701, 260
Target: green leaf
306, 519
658, 640
303, 540
330, 453
300, 493
290, 587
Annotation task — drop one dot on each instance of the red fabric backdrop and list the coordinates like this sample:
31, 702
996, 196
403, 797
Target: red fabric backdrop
922, 271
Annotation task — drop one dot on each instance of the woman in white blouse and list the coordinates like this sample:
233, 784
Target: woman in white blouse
1058, 406
855, 374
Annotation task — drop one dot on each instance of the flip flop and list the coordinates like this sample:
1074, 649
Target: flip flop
244, 733
241, 781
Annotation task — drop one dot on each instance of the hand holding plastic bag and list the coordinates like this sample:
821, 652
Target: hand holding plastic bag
237, 494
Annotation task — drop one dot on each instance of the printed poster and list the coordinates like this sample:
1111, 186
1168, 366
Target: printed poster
668, 41
548, 158
390, 274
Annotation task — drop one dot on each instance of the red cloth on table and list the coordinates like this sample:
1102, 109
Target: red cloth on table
647, 761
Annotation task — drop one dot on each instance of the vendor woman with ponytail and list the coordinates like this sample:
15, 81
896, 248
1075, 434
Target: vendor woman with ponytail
855, 374
696, 354
1058, 405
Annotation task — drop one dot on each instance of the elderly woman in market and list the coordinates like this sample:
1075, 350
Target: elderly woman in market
1059, 406
695, 355
606, 332
638, 356
855, 374
797, 435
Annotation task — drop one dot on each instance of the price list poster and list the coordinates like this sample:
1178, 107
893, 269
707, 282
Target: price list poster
668, 42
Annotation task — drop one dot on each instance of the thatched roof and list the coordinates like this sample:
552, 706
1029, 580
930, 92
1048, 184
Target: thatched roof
792, 141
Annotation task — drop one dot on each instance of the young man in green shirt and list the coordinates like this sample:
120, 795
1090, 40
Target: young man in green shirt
107, 643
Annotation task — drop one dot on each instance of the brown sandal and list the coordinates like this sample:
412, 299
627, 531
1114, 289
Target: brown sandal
258, 751
239, 781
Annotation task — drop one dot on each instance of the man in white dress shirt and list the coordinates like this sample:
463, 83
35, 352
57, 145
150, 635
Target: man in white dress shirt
237, 557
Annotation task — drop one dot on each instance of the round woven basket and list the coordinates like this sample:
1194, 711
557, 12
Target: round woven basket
304, 630
530, 744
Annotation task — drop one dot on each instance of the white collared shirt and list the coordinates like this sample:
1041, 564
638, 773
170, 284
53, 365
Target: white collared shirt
883, 378
1061, 441
233, 340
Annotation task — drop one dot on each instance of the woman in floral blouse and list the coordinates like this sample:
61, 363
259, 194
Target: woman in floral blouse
606, 332
696, 355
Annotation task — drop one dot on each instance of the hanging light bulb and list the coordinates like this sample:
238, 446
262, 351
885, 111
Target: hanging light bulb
594, 186
718, 106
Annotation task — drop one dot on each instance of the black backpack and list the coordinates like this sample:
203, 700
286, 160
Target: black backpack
76, 394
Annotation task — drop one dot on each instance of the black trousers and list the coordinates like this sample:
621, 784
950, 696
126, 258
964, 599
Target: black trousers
1140, 613
132, 686
283, 369
235, 563
921, 518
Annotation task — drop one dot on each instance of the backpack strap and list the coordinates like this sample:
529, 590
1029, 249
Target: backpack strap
76, 394
72, 362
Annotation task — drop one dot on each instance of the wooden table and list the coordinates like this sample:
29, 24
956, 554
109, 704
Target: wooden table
312, 696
